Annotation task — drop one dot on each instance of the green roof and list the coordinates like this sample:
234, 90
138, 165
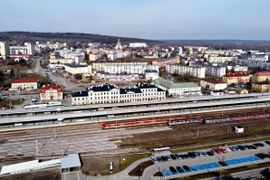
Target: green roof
171, 85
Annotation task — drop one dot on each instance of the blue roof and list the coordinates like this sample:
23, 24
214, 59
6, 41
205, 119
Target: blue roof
70, 161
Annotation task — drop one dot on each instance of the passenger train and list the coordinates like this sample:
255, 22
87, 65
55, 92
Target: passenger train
187, 119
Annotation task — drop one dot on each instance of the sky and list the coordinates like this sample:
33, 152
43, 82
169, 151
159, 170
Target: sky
151, 19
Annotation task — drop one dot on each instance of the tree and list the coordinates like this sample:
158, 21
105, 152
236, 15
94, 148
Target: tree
78, 76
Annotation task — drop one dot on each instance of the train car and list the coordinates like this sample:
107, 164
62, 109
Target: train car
35, 106
185, 120
132, 123
216, 119
52, 104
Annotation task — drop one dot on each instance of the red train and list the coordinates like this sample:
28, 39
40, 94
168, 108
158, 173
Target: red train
187, 119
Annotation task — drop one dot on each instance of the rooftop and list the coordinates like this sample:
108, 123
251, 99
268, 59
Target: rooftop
263, 73
103, 87
30, 80
50, 87
171, 85
70, 161
79, 94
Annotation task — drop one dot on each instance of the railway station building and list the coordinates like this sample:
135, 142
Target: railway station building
108, 93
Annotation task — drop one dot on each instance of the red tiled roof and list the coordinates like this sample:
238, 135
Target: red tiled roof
24, 80
236, 74
263, 73
50, 87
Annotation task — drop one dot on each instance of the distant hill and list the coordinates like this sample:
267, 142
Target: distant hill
224, 44
71, 38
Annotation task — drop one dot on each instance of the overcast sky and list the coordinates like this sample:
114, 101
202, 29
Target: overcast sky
152, 19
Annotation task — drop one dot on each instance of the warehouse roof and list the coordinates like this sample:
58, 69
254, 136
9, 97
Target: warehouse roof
171, 85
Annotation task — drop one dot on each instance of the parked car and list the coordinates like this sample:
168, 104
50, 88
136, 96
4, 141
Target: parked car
258, 144
186, 168
179, 169
173, 170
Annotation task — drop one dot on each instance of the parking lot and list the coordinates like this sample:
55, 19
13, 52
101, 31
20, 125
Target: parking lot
169, 166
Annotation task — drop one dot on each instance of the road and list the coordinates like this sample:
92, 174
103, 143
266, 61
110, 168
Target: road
69, 86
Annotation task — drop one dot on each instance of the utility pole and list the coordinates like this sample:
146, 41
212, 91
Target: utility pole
36, 148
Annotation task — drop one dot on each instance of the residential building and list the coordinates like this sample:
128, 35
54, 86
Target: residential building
82, 69
163, 62
51, 93
213, 84
178, 89
61, 61
261, 77
108, 93
137, 45
213, 53
151, 75
117, 77
23, 84
237, 68
4, 50
124, 67
260, 87
253, 63
236, 78
196, 71
220, 59
215, 70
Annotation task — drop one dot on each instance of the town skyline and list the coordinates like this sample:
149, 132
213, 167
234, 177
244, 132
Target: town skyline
177, 20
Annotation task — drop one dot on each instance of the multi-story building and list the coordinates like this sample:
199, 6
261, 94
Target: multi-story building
124, 67
214, 70
213, 84
108, 93
178, 89
253, 63
4, 50
151, 75
196, 71
236, 78
237, 68
23, 84
61, 61
213, 53
220, 59
259, 87
137, 45
51, 93
261, 77
163, 62
74, 69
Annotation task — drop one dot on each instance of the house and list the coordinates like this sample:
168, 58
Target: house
260, 77
51, 93
236, 78
213, 84
23, 84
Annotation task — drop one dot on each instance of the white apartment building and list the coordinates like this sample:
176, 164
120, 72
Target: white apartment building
4, 50
107, 93
23, 85
137, 45
253, 63
74, 69
215, 70
220, 59
124, 67
180, 69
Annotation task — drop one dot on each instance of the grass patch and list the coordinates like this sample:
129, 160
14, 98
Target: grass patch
130, 158
11, 102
